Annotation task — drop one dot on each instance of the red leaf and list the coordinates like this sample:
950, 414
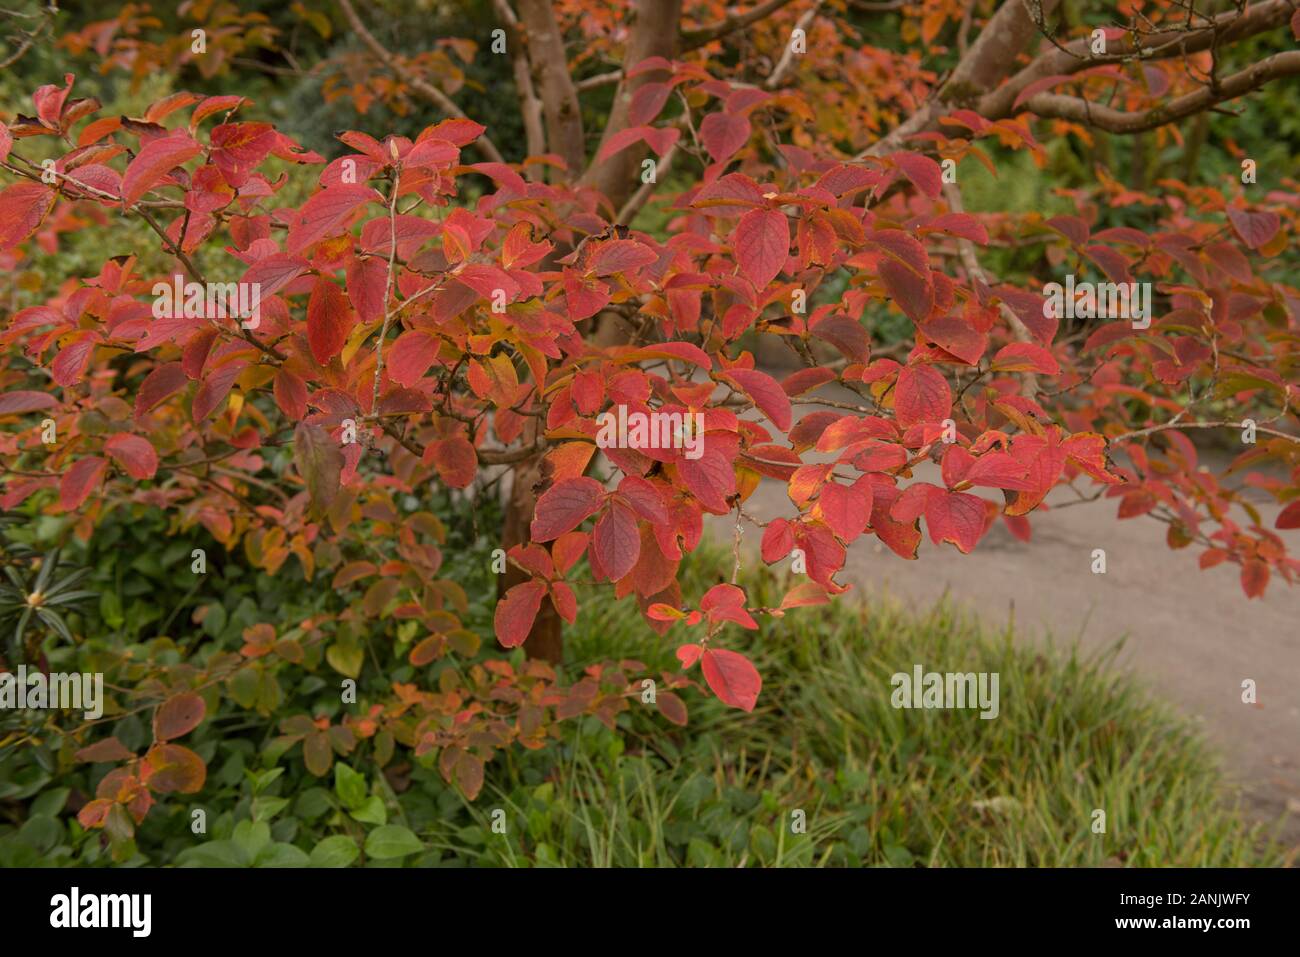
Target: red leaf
724, 133
727, 603
411, 356
1254, 577
960, 224
95, 813
808, 593
290, 394
163, 381
171, 768
621, 255
1255, 229
777, 541
905, 270
329, 320
922, 171
767, 395
647, 103
455, 460
1025, 357
80, 480
1289, 517
214, 104
956, 336
672, 708
367, 280
154, 161
274, 273
644, 499
846, 508
516, 612
236, 148
689, 654
133, 453
564, 506
178, 715
71, 362
922, 395
13, 403
956, 517
711, 478
620, 141
806, 380
109, 749
431, 152
565, 601
999, 470
616, 542
762, 243
214, 389
326, 214
732, 677
22, 208
685, 351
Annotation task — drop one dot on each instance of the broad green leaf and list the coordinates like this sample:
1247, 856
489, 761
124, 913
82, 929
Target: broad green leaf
339, 850
390, 841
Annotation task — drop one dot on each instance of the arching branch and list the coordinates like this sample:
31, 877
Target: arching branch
417, 83
1079, 110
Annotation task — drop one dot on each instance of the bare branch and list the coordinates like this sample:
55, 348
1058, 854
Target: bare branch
1151, 430
1079, 110
980, 68
600, 79
966, 250
642, 195
425, 89
1076, 55
787, 57
994, 52
693, 39
530, 107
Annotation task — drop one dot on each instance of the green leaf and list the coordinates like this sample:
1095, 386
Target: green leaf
212, 854
336, 851
349, 786
265, 808
263, 779
251, 837
50, 803
392, 840
282, 855
346, 659
371, 811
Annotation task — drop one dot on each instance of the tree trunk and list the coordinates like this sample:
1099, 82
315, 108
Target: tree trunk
655, 32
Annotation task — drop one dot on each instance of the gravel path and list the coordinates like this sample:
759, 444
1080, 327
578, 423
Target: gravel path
1191, 635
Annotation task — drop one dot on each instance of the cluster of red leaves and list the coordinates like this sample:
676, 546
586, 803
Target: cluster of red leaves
490, 365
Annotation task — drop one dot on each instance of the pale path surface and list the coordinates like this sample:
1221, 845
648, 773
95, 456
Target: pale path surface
1191, 635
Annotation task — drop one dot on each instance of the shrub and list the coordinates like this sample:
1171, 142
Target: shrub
295, 383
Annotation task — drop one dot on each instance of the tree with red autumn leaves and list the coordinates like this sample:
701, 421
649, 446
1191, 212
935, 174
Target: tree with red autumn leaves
434, 309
